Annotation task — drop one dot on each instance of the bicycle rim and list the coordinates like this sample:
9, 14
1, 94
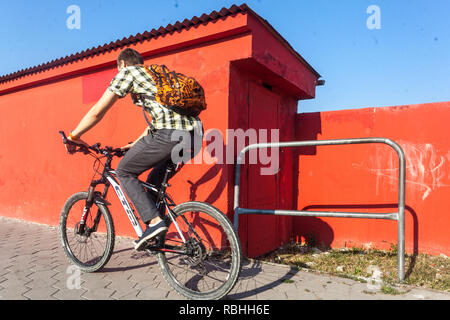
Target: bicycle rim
212, 265
89, 251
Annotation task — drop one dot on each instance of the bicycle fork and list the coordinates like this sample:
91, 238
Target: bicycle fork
86, 210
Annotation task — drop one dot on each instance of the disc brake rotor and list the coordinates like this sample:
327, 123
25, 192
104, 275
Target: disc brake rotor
196, 252
81, 238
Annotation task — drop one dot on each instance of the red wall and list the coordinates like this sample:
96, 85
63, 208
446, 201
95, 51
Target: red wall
363, 178
230, 57
36, 173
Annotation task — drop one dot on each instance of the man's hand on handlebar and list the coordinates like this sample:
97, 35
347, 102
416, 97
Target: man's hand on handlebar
128, 146
77, 145
71, 147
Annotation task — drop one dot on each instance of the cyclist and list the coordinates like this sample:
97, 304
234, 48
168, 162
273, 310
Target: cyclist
154, 147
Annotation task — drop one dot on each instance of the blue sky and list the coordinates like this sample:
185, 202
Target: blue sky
407, 61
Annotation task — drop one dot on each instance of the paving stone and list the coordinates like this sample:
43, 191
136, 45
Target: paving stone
98, 294
13, 293
245, 286
309, 295
244, 290
162, 284
300, 294
151, 293
271, 294
60, 267
121, 286
42, 274
40, 283
24, 261
34, 266
69, 294
42, 266
15, 278
61, 284
3, 272
427, 294
173, 295
93, 284
143, 279
332, 291
119, 275
41, 293
128, 295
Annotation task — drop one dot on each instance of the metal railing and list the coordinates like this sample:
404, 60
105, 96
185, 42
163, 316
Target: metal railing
399, 215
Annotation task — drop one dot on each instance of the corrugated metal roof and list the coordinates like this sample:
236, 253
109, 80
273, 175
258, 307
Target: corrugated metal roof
177, 26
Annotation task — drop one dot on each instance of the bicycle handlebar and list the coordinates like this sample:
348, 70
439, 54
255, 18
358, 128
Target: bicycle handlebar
95, 147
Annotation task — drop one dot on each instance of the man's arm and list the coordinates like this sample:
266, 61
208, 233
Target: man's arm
95, 114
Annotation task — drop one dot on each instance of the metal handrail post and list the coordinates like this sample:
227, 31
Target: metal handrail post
399, 216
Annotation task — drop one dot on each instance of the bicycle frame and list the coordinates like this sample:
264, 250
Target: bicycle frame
125, 204
108, 179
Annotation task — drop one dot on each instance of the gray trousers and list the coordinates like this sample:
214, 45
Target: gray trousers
154, 151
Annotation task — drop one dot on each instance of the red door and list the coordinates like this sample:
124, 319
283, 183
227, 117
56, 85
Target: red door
262, 192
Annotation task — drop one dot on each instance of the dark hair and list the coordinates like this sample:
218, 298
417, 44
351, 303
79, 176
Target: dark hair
130, 56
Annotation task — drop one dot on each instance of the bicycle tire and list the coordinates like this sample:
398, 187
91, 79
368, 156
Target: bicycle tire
79, 200
185, 287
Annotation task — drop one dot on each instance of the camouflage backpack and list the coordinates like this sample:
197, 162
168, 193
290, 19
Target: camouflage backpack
176, 91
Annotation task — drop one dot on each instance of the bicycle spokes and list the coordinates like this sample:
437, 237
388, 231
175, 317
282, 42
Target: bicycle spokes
86, 243
206, 260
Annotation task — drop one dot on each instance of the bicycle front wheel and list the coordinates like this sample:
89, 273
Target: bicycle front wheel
89, 246
205, 260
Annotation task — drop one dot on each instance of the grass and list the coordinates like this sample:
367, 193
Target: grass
288, 281
389, 290
360, 264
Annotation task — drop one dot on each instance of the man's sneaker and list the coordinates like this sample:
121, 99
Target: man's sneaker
150, 233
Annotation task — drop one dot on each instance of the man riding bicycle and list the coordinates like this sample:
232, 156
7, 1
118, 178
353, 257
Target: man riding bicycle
154, 147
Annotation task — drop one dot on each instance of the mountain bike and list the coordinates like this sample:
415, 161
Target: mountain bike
199, 255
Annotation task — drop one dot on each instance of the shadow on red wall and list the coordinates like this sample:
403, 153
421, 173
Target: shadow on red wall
315, 230
217, 169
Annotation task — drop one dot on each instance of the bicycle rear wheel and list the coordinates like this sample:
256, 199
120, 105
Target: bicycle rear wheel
91, 248
211, 263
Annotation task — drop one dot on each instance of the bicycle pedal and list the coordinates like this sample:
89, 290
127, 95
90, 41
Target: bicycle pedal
151, 252
150, 243
154, 243
145, 246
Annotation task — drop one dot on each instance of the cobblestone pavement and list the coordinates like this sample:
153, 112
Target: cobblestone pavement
33, 266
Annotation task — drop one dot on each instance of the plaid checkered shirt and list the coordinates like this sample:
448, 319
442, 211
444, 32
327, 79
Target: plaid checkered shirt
135, 80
